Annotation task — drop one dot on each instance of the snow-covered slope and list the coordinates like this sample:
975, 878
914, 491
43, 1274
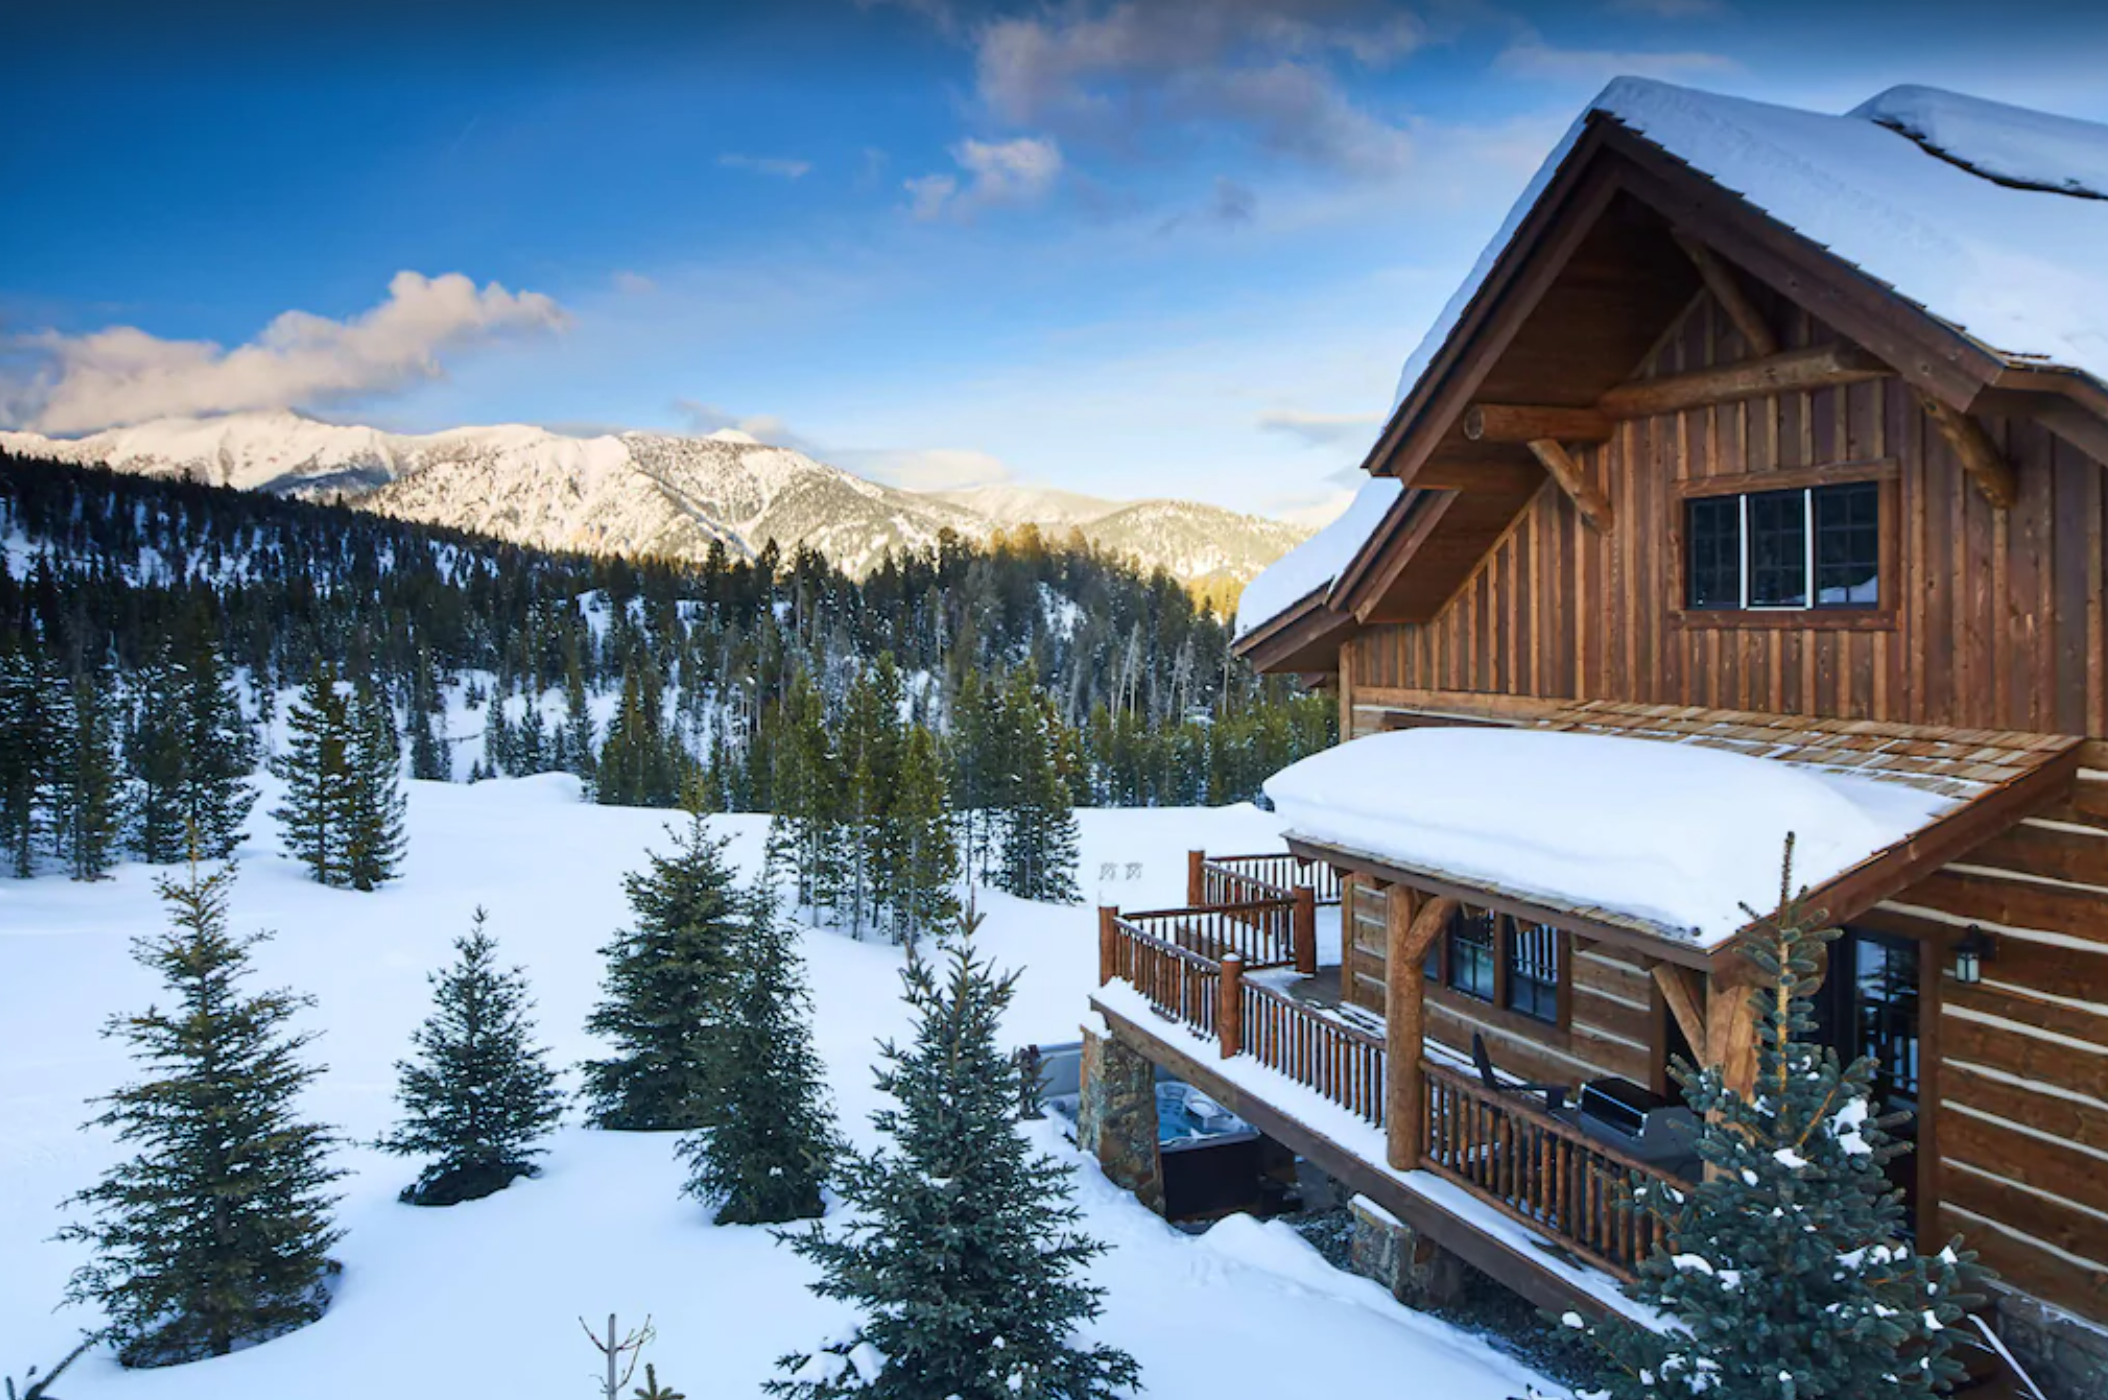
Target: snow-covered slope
481, 1298
648, 493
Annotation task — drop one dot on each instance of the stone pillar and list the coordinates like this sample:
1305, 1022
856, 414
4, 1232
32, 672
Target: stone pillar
1116, 1118
1419, 1273
2068, 1358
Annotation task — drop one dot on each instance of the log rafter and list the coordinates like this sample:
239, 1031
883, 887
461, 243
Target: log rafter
1593, 505
1972, 446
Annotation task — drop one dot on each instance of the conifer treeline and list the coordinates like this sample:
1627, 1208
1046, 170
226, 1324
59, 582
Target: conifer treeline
657, 681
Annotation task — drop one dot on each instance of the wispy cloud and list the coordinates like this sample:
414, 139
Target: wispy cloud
705, 418
126, 375
633, 283
927, 469
1321, 429
1531, 56
1671, 9
781, 167
1267, 68
996, 174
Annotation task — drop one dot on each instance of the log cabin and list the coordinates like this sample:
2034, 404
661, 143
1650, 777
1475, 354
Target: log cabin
1752, 482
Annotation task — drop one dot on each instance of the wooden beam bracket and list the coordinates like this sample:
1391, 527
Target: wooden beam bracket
1591, 502
1979, 456
1726, 287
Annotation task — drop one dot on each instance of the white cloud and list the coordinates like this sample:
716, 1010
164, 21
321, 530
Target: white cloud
1672, 9
1000, 174
927, 469
1530, 56
783, 168
706, 418
1322, 429
126, 375
633, 283
1264, 66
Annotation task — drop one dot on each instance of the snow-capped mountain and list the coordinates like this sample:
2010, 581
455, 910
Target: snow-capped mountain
649, 493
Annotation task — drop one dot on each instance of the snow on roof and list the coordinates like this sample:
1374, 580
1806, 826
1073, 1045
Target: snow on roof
1675, 836
2017, 269
2017, 144
1317, 561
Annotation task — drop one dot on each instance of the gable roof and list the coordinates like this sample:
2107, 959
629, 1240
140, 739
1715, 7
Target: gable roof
1932, 205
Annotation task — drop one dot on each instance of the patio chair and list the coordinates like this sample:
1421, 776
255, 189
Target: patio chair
1554, 1094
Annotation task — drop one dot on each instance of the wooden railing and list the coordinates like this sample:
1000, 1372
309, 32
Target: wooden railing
1237, 879
1341, 1063
1180, 984
1544, 1173
1264, 932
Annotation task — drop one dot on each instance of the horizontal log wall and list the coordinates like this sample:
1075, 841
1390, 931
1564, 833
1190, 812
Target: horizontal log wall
1998, 620
1611, 1032
2020, 1123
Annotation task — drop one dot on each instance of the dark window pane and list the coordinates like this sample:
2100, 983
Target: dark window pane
1713, 570
1848, 545
1778, 549
1533, 969
1471, 945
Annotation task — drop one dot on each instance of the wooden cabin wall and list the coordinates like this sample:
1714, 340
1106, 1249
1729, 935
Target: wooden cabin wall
1611, 1030
2020, 1087
1999, 622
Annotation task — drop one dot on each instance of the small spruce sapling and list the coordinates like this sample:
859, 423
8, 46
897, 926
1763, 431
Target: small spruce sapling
963, 1248
41, 1389
217, 1232
1789, 1273
481, 1092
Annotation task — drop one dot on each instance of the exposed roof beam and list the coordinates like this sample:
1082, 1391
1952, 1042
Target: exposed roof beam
1727, 289
1521, 422
1980, 457
1592, 503
1818, 367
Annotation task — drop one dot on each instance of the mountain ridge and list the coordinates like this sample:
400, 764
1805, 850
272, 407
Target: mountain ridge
652, 493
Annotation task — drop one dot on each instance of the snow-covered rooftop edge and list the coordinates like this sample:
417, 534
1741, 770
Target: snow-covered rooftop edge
1317, 561
1678, 838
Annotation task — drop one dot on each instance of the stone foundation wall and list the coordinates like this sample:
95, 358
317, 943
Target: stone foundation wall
1116, 1116
1419, 1273
2066, 1356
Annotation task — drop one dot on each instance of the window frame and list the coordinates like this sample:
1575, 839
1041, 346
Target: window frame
1439, 972
1884, 474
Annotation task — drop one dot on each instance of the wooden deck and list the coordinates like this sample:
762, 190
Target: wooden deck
1223, 1001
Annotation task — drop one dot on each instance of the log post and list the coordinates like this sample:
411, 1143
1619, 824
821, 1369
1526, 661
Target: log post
1229, 1006
1196, 878
1108, 943
1407, 936
1347, 951
1306, 931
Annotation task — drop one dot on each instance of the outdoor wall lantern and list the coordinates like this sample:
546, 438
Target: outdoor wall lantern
1975, 948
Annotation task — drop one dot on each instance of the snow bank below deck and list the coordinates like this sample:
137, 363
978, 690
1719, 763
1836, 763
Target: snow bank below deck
1674, 834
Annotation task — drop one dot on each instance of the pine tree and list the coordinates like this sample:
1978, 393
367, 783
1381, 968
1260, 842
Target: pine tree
88, 782
919, 865
155, 758
430, 759
217, 1232
1790, 1274
575, 740
374, 838
481, 1093
1039, 832
664, 995
214, 793
771, 1142
963, 1248
316, 770
28, 735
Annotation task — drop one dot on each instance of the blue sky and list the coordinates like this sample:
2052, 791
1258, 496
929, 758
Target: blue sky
1123, 248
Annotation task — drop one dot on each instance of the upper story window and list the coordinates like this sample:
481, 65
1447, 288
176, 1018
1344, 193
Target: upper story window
1472, 951
1816, 547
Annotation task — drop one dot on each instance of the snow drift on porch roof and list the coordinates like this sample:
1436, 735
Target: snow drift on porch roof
1677, 836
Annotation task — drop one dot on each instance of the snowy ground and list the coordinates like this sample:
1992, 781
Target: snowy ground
481, 1299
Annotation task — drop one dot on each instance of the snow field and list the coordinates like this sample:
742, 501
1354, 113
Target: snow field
482, 1298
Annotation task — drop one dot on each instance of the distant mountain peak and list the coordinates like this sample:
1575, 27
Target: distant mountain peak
663, 494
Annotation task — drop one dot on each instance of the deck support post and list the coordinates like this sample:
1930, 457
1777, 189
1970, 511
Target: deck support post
1196, 878
1347, 984
1108, 945
1306, 931
1408, 935
1229, 1004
